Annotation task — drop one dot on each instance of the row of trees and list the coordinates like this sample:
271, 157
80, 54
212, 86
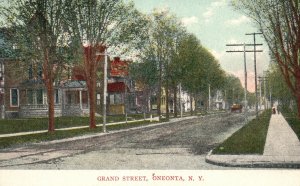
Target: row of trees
173, 57
279, 21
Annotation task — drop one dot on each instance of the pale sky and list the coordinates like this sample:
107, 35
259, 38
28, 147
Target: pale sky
216, 24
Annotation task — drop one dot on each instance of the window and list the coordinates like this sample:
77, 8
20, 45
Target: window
39, 96
115, 99
118, 99
30, 97
98, 99
40, 71
112, 99
14, 97
56, 96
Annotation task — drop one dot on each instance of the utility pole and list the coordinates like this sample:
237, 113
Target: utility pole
265, 90
255, 73
260, 83
209, 97
245, 69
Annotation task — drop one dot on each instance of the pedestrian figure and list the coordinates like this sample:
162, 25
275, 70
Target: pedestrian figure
273, 110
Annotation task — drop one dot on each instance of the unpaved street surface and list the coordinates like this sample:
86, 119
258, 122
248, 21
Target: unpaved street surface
175, 145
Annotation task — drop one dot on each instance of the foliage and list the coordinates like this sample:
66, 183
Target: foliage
94, 26
38, 28
164, 30
6, 43
278, 87
234, 89
198, 67
144, 73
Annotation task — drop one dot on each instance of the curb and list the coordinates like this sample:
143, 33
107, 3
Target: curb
248, 162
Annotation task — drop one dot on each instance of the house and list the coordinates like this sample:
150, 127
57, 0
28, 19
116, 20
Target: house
23, 93
120, 88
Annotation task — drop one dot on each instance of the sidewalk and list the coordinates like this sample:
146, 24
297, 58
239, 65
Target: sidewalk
282, 149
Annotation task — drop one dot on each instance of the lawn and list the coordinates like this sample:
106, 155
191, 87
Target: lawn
293, 120
34, 124
250, 139
33, 138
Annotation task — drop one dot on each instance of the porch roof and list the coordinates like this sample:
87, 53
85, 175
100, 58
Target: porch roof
74, 84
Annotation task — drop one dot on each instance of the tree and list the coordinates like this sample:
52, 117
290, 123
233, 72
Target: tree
163, 32
234, 89
145, 75
38, 26
278, 87
198, 67
96, 25
279, 21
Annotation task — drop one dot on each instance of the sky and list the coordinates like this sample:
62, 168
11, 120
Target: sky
216, 24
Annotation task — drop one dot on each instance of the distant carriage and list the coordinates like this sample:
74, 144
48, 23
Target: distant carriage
236, 108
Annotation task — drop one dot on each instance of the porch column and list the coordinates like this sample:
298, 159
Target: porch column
63, 98
80, 99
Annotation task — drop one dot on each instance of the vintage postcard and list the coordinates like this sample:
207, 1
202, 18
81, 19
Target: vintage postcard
149, 92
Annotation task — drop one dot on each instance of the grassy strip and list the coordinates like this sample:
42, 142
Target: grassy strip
293, 121
34, 138
35, 124
250, 139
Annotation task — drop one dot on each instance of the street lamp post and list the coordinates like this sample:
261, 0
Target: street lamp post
180, 101
104, 91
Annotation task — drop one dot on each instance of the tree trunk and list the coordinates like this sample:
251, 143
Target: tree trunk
298, 93
158, 102
48, 81
159, 91
167, 101
175, 101
191, 104
50, 95
92, 95
298, 105
91, 64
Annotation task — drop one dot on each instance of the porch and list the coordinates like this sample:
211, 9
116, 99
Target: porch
75, 101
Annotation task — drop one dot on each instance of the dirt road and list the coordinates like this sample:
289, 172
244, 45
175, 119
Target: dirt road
176, 145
